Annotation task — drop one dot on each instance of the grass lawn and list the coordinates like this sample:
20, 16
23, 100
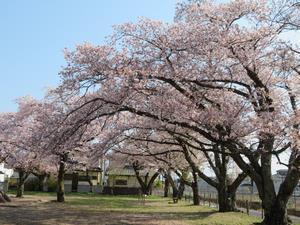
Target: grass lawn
162, 208
100, 209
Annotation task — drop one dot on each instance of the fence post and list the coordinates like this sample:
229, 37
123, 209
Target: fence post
217, 202
295, 200
209, 199
247, 206
262, 211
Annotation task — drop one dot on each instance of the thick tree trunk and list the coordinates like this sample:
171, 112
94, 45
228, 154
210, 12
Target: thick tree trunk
226, 200
166, 187
274, 206
20, 184
61, 183
277, 215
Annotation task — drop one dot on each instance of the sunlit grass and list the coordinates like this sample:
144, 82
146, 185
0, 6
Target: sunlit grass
160, 207
154, 206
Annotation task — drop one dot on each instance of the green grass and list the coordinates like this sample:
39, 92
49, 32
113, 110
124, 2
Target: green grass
156, 207
160, 208
35, 193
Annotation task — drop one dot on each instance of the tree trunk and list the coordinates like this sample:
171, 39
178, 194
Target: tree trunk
75, 179
196, 199
45, 183
277, 215
146, 184
20, 189
166, 187
61, 183
274, 206
181, 189
151, 182
20, 185
226, 200
173, 185
40, 182
4, 197
174, 192
90, 183
42, 178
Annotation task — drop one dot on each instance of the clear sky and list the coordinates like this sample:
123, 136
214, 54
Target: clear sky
33, 34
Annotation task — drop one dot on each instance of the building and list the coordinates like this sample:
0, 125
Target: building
5, 174
84, 181
123, 180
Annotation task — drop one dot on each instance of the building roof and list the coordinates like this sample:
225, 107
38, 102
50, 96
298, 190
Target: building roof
120, 172
127, 171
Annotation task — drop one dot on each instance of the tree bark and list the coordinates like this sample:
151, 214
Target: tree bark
181, 189
20, 184
61, 183
146, 184
166, 187
277, 214
196, 199
274, 205
4, 197
173, 185
226, 200
90, 183
75, 178
151, 182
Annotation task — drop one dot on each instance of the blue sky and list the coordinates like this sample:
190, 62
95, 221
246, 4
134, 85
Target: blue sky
34, 33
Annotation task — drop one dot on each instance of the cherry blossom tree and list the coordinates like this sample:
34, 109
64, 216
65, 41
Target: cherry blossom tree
19, 139
222, 71
34, 141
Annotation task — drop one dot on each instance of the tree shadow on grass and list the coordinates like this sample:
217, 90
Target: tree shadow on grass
117, 210
56, 213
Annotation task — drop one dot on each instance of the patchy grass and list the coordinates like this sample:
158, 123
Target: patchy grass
33, 193
159, 207
89, 208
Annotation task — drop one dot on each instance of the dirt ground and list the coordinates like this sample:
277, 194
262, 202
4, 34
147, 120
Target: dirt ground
34, 210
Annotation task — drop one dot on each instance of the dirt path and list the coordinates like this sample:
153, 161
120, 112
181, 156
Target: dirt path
39, 210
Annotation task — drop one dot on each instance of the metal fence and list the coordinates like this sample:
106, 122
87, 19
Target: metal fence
246, 202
